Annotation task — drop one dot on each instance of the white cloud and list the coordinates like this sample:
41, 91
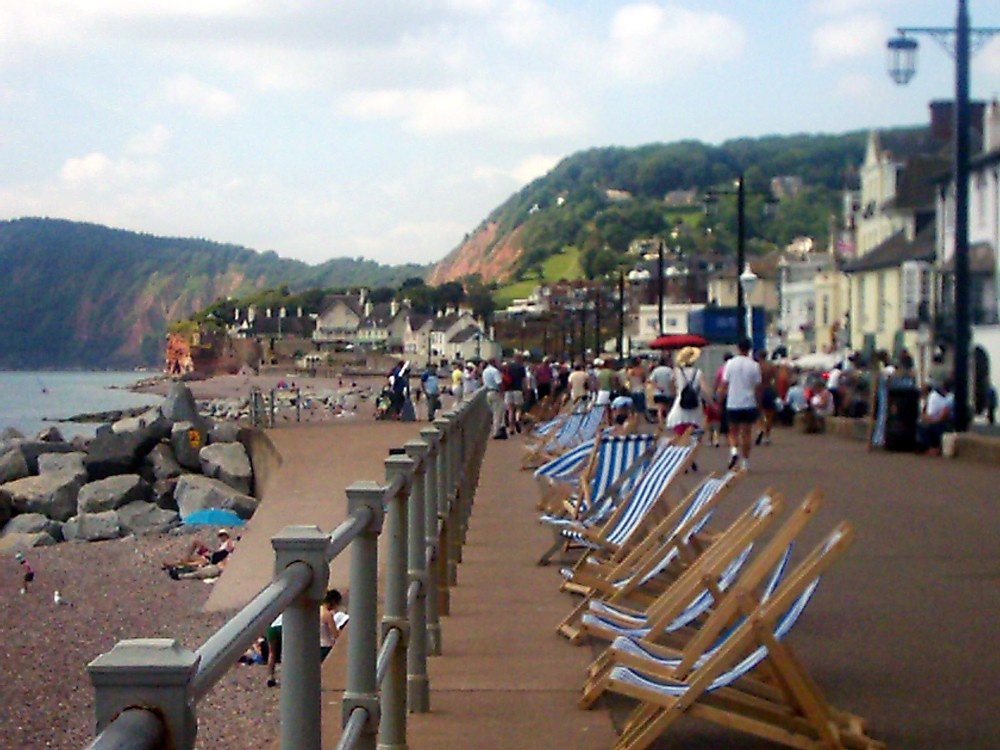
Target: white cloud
98, 171
842, 7
650, 41
190, 93
150, 142
859, 87
848, 38
425, 112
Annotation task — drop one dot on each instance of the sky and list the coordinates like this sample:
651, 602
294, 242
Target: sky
390, 129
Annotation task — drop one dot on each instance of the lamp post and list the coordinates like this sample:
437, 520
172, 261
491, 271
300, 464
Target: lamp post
748, 280
659, 289
621, 315
741, 239
961, 41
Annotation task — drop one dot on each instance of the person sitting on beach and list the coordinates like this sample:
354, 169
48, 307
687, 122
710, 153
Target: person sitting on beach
624, 417
200, 557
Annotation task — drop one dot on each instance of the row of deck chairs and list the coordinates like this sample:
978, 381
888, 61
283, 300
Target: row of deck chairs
691, 618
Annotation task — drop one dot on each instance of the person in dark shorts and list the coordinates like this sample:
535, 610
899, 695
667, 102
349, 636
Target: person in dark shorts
27, 570
741, 381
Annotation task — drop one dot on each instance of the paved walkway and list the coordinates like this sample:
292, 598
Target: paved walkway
902, 631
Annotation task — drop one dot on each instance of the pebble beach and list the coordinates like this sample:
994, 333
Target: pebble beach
113, 590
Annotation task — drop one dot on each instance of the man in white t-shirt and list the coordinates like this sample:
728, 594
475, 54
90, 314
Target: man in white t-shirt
741, 381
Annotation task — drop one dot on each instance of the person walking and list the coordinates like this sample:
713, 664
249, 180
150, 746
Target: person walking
741, 383
431, 384
513, 397
689, 386
662, 378
492, 381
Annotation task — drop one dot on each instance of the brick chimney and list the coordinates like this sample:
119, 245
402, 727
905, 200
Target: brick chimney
991, 127
943, 118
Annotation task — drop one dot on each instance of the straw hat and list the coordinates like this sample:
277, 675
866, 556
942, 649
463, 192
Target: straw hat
687, 355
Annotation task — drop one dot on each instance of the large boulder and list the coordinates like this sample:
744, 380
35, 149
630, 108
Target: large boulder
112, 493
32, 449
13, 466
92, 527
51, 435
225, 431
66, 464
9, 434
195, 492
53, 495
179, 404
146, 518
163, 493
229, 463
152, 422
33, 523
163, 463
187, 439
112, 453
21, 542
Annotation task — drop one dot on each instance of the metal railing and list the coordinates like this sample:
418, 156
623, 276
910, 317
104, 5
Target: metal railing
147, 690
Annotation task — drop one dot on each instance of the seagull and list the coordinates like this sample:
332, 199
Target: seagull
57, 598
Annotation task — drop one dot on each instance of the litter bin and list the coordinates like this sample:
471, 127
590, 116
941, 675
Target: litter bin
902, 412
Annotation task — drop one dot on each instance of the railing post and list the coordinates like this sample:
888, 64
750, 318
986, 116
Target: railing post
454, 504
446, 471
417, 685
445, 564
301, 701
392, 727
362, 647
432, 436
151, 672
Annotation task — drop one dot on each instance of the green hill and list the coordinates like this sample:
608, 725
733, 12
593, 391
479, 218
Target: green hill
83, 295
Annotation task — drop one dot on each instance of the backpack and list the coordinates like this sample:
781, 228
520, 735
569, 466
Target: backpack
689, 394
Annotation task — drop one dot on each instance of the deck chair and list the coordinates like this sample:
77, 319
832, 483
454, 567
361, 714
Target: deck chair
564, 493
707, 584
577, 427
749, 679
634, 509
646, 577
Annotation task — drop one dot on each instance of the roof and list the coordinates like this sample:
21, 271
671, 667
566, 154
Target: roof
466, 334
895, 251
351, 301
981, 259
915, 183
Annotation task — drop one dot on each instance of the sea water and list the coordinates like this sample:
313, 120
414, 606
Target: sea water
34, 401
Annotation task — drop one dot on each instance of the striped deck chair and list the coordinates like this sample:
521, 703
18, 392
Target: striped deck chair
723, 683
571, 431
566, 494
634, 509
643, 577
706, 584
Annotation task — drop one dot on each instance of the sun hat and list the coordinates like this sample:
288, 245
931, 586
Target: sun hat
222, 532
19, 557
598, 362
687, 355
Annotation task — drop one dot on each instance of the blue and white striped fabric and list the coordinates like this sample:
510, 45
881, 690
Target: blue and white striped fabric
567, 466
663, 467
609, 618
740, 669
616, 455
577, 428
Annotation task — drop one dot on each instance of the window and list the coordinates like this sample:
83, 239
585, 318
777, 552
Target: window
880, 302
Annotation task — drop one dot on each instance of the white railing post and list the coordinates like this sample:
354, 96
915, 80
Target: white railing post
362, 645
301, 701
432, 436
392, 726
417, 685
149, 672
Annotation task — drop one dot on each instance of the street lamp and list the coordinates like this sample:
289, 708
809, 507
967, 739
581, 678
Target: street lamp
740, 192
960, 41
748, 281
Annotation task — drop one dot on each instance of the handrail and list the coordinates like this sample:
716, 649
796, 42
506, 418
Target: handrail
425, 503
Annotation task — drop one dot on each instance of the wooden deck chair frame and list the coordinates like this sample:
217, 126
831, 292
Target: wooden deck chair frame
618, 564
778, 701
761, 573
640, 583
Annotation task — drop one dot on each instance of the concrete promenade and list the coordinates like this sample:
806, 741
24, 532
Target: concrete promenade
902, 630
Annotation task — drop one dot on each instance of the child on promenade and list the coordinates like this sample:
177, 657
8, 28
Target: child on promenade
27, 570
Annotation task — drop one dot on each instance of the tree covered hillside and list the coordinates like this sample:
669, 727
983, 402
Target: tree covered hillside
82, 295
571, 205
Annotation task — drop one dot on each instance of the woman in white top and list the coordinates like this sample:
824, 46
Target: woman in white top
687, 416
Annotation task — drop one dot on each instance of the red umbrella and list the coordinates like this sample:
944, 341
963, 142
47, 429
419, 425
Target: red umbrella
677, 341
